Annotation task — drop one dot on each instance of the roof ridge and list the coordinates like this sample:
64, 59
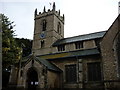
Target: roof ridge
84, 34
80, 38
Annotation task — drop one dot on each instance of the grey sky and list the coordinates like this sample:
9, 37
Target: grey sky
81, 16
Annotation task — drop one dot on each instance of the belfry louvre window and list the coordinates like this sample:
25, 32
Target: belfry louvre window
61, 48
70, 73
44, 24
94, 71
78, 45
59, 28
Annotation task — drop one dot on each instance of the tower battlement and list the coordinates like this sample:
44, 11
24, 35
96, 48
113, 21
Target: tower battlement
50, 12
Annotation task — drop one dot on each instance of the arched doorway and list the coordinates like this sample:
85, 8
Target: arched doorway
32, 79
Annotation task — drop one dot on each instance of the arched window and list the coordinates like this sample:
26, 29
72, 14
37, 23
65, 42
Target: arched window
116, 49
44, 24
118, 52
59, 28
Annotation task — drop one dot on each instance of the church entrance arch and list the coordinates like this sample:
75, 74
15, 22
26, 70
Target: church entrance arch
32, 79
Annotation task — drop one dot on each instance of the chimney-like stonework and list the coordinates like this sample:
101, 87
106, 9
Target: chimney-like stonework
118, 7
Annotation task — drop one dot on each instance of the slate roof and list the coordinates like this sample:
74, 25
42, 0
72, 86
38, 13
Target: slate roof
80, 53
48, 64
79, 38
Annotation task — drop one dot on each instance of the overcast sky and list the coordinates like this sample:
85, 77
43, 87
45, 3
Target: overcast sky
81, 16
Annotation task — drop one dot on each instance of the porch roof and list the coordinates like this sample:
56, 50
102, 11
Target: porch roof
45, 62
48, 64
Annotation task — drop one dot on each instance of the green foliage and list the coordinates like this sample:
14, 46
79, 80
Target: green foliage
26, 44
12, 48
10, 51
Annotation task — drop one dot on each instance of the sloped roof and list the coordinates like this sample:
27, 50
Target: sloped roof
112, 26
79, 38
49, 65
85, 52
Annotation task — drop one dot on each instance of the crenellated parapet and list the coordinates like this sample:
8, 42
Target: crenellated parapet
49, 12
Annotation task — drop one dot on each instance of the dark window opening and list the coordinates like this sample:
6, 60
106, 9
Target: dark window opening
78, 45
61, 48
43, 71
59, 28
94, 71
21, 73
44, 24
97, 43
71, 74
42, 44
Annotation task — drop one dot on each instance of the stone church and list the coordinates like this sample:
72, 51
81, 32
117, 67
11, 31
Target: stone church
84, 61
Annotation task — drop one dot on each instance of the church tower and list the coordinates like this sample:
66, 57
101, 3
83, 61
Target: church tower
48, 28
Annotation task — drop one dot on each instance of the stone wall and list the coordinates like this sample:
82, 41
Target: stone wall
81, 63
86, 82
13, 75
53, 80
109, 55
22, 78
61, 64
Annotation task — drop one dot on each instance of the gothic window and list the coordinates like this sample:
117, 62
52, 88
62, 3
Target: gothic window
61, 48
78, 45
44, 24
59, 28
42, 44
94, 71
70, 73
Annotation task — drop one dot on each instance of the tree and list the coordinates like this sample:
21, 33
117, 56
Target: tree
10, 51
26, 45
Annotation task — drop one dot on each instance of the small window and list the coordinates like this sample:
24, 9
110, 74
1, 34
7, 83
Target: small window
78, 45
94, 71
97, 42
70, 73
42, 44
59, 28
61, 48
43, 72
44, 24
21, 73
